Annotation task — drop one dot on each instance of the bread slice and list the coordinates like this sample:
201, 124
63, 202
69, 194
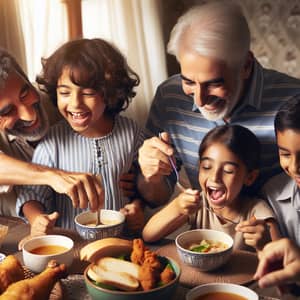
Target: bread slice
119, 265
105, 247
120, 280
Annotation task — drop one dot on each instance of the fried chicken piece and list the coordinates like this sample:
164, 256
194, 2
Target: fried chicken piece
10, 271
167, 275
147, 277
38, 287
151, 259
138, 249
149, 273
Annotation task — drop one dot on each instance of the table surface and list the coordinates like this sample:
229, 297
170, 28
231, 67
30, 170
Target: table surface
18, 229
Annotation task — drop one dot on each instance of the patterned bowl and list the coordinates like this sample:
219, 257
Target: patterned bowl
203, 261
112, 224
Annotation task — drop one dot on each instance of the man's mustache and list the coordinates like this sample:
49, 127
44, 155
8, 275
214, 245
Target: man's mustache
210, 99
22, 123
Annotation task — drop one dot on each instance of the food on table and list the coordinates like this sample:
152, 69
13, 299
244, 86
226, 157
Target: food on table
49, 249
117, 265
167, 275
207, 246
150, 271
119, 279
10, 271
140, 269
137, 254
220, 296
38, 287
105, 247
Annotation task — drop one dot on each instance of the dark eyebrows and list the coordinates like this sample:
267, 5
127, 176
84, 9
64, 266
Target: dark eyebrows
185, 78
208, 82
62, 86
5, 110
282, 148
205, 158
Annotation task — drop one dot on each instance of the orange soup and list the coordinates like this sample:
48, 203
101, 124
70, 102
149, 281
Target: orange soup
220, 296
48, 250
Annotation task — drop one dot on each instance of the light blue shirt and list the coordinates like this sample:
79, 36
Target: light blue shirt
175, 112
283, 195
63, 148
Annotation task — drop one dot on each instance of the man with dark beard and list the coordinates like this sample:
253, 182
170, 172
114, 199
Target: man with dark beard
220, 82
25, 117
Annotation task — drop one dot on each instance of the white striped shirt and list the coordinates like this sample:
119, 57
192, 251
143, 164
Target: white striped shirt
63, 148
175, 112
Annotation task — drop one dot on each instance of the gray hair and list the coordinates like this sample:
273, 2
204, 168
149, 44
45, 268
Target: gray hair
215, 29
9, 64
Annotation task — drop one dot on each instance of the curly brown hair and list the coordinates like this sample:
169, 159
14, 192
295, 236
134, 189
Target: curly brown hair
95, 64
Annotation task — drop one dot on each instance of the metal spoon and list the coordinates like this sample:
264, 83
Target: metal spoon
179, 185
98, 222
220, 216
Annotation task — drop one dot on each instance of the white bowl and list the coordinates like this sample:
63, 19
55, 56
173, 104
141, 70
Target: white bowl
236, 289
38, 262
203, 261
113, 224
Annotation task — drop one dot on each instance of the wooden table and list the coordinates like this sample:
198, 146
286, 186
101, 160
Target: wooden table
18, 229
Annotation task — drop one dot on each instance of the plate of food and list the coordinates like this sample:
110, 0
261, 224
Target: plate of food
127, 270
239, 269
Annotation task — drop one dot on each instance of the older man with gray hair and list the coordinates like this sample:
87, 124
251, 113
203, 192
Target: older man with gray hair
220, 82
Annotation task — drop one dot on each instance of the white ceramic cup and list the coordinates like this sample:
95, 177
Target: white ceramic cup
38, 262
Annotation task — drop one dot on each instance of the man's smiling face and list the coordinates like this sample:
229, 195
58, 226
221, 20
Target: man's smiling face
214, 87
20, 111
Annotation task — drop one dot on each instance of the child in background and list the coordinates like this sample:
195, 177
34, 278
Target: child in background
229, 162
283, 190
90, 82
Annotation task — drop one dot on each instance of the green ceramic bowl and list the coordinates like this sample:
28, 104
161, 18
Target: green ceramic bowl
160, 293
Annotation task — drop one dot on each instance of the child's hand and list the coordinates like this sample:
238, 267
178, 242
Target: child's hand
134, 213
188, 202
43, 224
256, 232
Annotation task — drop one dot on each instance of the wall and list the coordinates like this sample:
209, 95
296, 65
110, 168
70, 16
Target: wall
274, 25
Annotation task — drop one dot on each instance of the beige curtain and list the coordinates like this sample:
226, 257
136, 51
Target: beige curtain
135, 27
11, 37
45, 28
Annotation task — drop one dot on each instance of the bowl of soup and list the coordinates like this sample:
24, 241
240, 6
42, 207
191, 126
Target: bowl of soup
111, 224
221, 291
204, 249
38, 251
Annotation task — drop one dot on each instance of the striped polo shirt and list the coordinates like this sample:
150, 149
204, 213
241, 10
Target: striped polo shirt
174, 112
63, 148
